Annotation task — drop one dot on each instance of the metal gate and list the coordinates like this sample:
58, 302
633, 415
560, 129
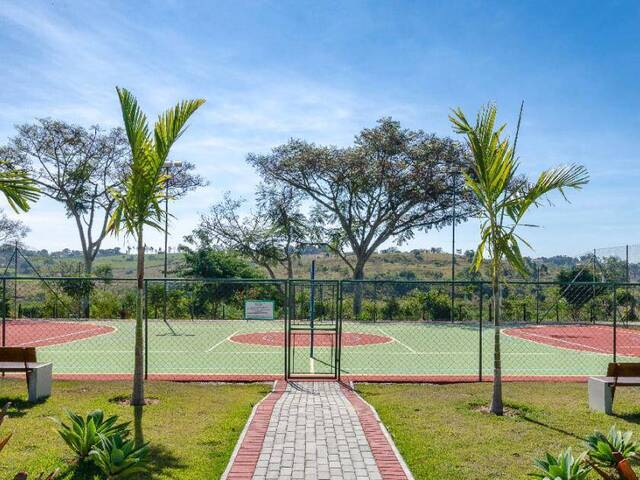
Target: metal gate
313, 330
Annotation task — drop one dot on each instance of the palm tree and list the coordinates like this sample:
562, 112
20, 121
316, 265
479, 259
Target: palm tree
18, 188
503, 199
139, 202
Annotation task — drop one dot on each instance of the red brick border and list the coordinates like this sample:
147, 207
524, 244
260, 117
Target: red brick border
244, 461
387, 458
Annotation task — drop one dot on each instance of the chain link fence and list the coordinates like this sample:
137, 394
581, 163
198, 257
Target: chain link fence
388, 330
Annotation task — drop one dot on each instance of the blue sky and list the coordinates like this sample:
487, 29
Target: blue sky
324, 70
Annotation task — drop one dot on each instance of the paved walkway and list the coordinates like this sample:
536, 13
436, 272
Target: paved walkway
315, 430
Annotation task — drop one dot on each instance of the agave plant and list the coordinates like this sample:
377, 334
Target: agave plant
118, 458
81, 435
617, 450
564, 467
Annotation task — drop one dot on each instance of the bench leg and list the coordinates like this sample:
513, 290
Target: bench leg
600, 396
40, 382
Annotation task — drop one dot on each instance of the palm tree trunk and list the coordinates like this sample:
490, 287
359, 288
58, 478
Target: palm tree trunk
496, 400
137, 398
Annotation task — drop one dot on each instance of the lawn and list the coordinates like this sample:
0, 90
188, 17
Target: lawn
192, 429
441, 434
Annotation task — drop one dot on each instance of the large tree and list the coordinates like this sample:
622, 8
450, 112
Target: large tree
11, 231
504, 198
274, 233
82, 168
390, 183
139, 202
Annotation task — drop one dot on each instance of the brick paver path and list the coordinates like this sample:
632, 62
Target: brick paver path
315, 430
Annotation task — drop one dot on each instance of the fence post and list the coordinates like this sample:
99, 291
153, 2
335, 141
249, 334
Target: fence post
615, 322
146, 331
4, 314
480, 335
538, 293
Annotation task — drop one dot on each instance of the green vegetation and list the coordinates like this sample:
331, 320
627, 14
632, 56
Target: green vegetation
443, 431
189, 440
138, 204
503, 198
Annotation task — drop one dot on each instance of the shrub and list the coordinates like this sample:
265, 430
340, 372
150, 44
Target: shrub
82, 435
564, 467
118, 458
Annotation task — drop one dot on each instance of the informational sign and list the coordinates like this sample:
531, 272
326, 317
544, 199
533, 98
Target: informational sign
259, 310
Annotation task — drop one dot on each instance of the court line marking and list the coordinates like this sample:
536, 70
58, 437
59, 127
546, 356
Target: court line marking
312, 365
64, 336
398, 341
583, 348
222, 341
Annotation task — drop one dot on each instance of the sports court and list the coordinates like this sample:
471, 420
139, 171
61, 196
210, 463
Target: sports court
228, 349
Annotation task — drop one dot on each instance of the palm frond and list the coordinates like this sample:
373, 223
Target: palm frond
18, 189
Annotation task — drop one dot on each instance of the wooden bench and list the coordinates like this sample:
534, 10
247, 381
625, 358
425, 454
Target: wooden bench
602, 390
38, 375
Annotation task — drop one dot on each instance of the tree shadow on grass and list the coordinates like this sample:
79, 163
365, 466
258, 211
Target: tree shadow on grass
161, 459
550, 427
628, 417
19, 406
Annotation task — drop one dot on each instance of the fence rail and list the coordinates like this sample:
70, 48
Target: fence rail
199, 328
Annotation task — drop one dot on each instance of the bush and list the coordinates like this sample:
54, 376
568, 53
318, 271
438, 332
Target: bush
82, 435
118, 458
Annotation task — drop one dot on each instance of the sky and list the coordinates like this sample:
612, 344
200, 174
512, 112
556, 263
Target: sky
322, 71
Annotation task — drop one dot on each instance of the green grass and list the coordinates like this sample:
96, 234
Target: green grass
440, 433
193, 429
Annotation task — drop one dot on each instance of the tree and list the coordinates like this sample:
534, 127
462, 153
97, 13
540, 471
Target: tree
11, 231
578, 286
274, 234
390, 183
82, 168
503, 198
138, 203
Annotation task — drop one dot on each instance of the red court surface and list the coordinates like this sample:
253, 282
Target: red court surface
583, 338
26, 333
303, 339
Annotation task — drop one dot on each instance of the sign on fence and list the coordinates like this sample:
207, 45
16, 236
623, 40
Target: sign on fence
259, 310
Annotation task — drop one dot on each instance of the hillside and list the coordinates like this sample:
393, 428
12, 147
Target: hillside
414, 265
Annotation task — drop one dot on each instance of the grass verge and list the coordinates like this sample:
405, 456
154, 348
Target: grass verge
441, 432
192, 428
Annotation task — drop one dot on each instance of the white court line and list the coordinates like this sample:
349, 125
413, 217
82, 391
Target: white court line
222, 341
553, 339
59, 336
397, 341
312, 365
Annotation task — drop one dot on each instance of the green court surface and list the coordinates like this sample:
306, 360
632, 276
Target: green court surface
254, 348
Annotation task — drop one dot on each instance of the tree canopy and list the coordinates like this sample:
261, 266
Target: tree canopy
390, 183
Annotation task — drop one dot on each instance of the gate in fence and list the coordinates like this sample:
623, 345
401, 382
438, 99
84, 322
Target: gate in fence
313, 330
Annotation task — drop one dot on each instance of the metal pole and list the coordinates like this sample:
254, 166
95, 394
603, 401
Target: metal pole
146, 332
615, 322
453, 252
15, 283
626, 263
312, 304
480, 336
4, 312
166, 242
537, 293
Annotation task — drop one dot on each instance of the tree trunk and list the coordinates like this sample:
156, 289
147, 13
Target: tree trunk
137, 398
496, 401
85, 301
358, 274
